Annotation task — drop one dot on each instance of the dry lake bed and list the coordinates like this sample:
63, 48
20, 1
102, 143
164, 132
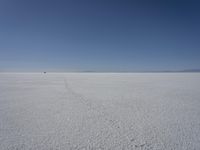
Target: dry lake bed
100, 111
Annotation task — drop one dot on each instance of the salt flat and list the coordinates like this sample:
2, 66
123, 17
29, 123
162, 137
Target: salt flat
115, 111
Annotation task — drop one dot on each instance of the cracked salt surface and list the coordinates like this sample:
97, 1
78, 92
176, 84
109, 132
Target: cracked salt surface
99, 111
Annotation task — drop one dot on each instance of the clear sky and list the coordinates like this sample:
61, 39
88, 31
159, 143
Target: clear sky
99, 35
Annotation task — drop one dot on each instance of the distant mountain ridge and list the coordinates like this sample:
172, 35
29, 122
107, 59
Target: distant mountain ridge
191, 70
185, 70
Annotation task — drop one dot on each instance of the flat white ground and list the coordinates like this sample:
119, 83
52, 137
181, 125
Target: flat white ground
115, 111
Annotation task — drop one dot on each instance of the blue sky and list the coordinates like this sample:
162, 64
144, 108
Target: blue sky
99, 35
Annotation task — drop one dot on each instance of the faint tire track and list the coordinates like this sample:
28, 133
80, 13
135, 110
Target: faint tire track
112, 120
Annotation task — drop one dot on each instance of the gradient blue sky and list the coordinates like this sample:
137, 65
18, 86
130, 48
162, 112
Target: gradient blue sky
99, 35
